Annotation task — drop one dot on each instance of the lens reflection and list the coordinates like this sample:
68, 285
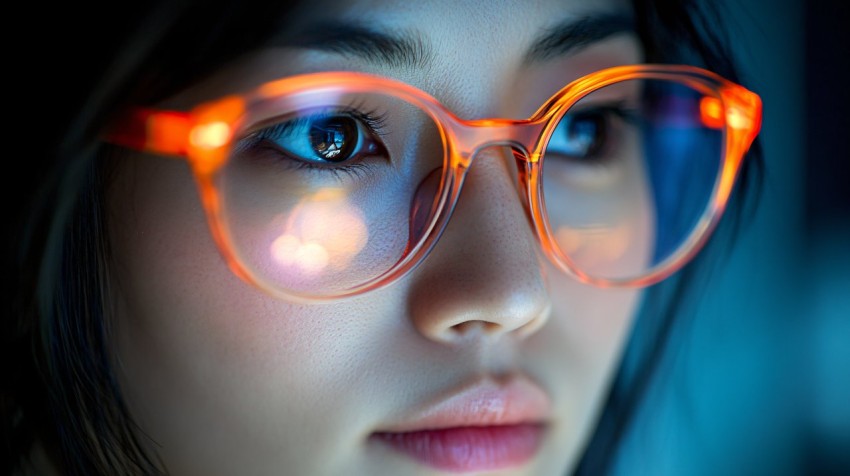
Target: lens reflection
324, 230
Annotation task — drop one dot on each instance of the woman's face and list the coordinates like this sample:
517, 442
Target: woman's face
485, 350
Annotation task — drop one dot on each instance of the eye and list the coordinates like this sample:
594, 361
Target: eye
581, 135
323, 139
333, 139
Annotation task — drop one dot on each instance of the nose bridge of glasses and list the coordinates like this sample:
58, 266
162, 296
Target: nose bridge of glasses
473, 136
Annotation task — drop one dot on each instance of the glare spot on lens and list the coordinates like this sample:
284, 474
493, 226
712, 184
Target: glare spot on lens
309, 258
312, 257
323, 231
284, 248
595, 243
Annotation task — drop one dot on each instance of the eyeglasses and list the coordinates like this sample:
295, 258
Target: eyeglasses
327, 185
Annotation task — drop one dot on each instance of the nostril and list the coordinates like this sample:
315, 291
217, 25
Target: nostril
470, 327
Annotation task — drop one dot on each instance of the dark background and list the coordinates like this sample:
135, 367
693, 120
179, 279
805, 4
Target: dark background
827, 144
827, 62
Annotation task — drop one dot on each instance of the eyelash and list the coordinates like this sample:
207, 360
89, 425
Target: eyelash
374, 121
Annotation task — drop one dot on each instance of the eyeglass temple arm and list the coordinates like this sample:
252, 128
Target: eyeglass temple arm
743, 117
151, 130
199, 134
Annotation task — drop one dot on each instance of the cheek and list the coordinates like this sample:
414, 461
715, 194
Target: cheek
578, 352
593, 323
208, 364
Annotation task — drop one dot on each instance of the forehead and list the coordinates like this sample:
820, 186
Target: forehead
449, 48
472, 30
466, 17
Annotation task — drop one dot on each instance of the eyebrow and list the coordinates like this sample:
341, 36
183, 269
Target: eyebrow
404, 49
394, 49
572, 35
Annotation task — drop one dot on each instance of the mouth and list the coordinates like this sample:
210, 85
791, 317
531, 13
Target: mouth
484, 426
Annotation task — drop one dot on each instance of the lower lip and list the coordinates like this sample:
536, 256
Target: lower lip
469, 448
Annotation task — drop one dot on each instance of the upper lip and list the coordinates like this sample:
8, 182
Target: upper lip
482, 402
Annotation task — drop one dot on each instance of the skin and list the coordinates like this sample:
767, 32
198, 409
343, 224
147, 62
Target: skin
225, 379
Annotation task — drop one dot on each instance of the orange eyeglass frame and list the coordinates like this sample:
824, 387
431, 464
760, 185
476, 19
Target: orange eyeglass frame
204, 136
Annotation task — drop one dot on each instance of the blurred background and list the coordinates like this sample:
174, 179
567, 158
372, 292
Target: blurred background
759, 382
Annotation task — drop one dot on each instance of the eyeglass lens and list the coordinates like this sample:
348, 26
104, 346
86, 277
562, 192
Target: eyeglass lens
333, 191
628, 173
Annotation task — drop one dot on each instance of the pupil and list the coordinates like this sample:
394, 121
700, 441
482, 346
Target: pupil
333, 139
585, 133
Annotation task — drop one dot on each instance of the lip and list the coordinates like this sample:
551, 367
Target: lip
484, 425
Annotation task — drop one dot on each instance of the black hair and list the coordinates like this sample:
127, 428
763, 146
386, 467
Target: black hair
688, 32
58, 386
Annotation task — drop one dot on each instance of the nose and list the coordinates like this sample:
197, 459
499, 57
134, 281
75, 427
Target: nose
484, 277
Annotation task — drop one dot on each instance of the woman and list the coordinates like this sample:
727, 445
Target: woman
355, 310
